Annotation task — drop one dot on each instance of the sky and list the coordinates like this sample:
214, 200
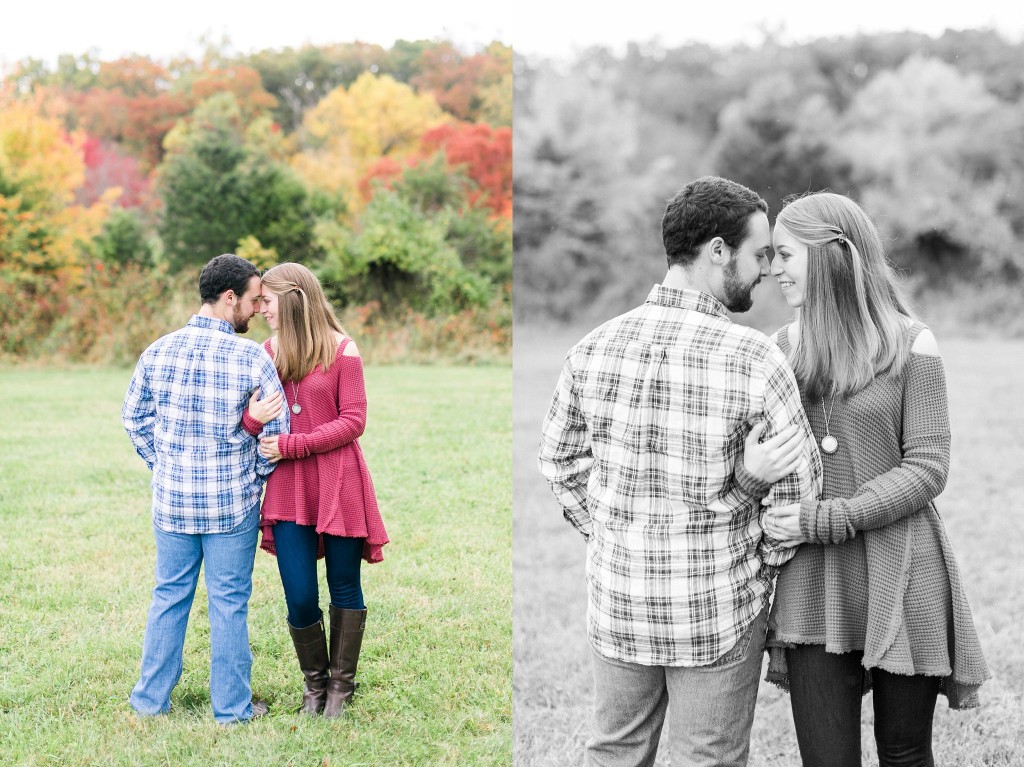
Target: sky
536, 28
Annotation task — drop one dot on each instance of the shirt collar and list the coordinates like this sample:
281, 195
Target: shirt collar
211, 323
696, 300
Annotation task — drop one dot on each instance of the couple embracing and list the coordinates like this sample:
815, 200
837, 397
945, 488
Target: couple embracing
206, 411
705, 463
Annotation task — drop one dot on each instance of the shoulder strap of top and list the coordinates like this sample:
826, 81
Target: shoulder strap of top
342, 344
914, 330
269, 347
784, 339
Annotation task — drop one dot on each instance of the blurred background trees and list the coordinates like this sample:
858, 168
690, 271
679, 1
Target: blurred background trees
926, 132
387, 171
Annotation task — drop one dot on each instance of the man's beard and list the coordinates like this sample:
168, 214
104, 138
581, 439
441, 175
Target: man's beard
738, 296
241, 326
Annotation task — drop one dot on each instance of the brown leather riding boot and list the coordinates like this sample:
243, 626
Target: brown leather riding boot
311, 650
346, 639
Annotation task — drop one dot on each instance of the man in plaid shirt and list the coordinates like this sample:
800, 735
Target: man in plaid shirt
183, 413
643, 448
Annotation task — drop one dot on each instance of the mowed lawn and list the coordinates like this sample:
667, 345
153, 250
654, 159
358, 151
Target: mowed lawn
76, 571
982, 508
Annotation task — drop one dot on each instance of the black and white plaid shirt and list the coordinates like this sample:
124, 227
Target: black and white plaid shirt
641, 446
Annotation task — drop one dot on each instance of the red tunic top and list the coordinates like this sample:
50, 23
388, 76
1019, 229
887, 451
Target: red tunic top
323, 479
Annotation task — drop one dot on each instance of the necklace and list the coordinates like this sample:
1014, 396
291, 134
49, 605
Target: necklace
297, 408
828, 443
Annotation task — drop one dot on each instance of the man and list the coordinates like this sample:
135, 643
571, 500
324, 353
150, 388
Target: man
643, 447
183, 412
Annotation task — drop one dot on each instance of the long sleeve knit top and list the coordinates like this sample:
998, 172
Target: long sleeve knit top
879, 574
323, 479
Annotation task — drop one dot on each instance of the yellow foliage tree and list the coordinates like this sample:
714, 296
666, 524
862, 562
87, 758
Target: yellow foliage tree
41, 166
44, 235
350, 129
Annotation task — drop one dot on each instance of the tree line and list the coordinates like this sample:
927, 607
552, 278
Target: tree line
387, 171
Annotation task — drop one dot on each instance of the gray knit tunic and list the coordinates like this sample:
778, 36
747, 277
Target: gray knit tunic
880, 574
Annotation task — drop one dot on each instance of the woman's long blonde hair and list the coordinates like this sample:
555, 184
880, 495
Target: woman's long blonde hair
306, 323
853, 321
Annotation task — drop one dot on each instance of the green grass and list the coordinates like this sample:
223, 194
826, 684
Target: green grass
76, 564
981, 508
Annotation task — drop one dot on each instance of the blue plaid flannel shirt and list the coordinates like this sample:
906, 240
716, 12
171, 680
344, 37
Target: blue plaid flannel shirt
183, 413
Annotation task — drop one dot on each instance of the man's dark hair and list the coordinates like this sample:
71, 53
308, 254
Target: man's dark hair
225, 272
705, 208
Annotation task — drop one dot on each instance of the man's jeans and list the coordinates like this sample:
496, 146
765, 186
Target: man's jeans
229, 561
710, 708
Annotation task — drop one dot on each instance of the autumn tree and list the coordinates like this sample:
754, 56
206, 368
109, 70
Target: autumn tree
353, 127
300, 78
44, 234
219, 187
138, 123
496, 89
241, 81
419, 244
459, 83
486, 155
107, 167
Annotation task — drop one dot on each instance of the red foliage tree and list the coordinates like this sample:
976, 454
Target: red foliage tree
386, 170
483, 152
244, 82
457, 81
107, 166
139, 123
486, 155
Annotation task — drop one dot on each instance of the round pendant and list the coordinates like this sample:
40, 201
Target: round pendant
297, 408
829, 443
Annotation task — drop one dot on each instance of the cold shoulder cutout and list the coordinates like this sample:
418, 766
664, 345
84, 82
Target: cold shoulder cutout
925, 344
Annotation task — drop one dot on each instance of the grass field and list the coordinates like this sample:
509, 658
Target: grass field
981, 507
76, 564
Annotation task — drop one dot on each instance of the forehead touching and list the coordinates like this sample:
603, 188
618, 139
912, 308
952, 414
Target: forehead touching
782, 237
253, 289
758, 232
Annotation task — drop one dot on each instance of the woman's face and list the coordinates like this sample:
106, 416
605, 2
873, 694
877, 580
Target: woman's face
789, 266
268, 307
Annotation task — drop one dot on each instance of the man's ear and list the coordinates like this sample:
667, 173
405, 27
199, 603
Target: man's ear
229, 296
718, 251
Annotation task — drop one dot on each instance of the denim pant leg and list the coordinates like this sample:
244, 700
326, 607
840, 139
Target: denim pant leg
904, 707
629, 711
344, 557
825, 694
711, 708
178, 559
296, 562
229, 561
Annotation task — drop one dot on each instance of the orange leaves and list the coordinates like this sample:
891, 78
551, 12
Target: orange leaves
244, 82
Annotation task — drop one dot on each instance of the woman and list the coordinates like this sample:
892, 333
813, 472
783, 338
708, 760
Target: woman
873, 600
319, 500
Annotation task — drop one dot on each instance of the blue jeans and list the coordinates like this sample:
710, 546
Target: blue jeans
228, 570
710, 709
296, 561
